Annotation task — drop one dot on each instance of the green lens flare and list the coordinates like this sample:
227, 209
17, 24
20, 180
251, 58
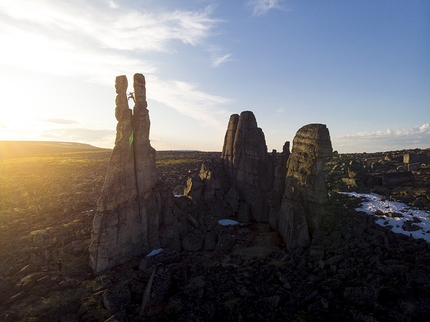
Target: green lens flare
130, 139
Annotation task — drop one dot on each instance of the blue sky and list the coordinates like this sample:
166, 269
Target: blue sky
360, 67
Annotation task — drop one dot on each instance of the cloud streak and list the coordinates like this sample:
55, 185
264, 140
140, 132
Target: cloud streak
113, 27
98, 42
378, 141
188, 100
261, 7
216, 62
61, 121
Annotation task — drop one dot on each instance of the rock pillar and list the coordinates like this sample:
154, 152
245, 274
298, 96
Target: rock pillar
248, 166
305, 197
130, 210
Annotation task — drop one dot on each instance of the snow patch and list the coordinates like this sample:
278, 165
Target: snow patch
374, 203
227, 222
155, 252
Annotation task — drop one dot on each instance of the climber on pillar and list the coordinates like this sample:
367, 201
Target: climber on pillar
131, 95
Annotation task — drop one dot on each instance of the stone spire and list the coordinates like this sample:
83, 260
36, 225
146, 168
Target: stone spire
129, 209
248, 165
305, 197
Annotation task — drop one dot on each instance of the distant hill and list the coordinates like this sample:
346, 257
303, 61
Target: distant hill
19, 149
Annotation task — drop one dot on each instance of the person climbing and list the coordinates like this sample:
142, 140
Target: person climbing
131, 95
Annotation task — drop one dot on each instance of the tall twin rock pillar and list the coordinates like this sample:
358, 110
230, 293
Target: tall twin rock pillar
128, 214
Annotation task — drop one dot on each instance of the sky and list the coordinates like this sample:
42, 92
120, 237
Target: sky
361, 67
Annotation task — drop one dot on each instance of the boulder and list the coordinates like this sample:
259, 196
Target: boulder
397, 178
115, 301
193, 241
156, 292
226, 240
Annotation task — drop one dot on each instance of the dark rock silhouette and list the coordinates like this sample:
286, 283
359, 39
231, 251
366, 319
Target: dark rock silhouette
132, 210
248, 165
136, 214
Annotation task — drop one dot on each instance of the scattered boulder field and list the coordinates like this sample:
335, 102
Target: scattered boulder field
354, 269
237, 235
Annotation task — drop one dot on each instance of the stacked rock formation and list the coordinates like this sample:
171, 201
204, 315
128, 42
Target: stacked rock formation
135, 214
248, 165
305, 197
130, 210
288, 191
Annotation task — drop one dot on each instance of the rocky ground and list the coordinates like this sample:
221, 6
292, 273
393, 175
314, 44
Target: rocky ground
354, 269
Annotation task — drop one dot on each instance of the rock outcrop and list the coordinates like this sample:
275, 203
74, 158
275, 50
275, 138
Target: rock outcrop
280, 172
288, 191
305, 197
132, 209
135, 214
248, 165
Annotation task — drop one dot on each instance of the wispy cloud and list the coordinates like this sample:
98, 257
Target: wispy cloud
261, 7
114, 27
188, 100
221, 60
61, 121
98, 40
385, 140
67, 39
218, 56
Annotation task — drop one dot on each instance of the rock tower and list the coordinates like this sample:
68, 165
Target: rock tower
305, 198
130, 211
248, 165
137, 214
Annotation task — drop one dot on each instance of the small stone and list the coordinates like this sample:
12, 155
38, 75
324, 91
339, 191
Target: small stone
115, 301
193, 241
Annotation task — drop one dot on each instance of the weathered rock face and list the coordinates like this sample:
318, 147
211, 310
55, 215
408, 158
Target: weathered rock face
305, 197
131, 211
248, 165
280, 172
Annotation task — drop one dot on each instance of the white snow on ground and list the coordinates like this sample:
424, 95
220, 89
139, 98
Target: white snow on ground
226, 222
373, 203
155, 252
